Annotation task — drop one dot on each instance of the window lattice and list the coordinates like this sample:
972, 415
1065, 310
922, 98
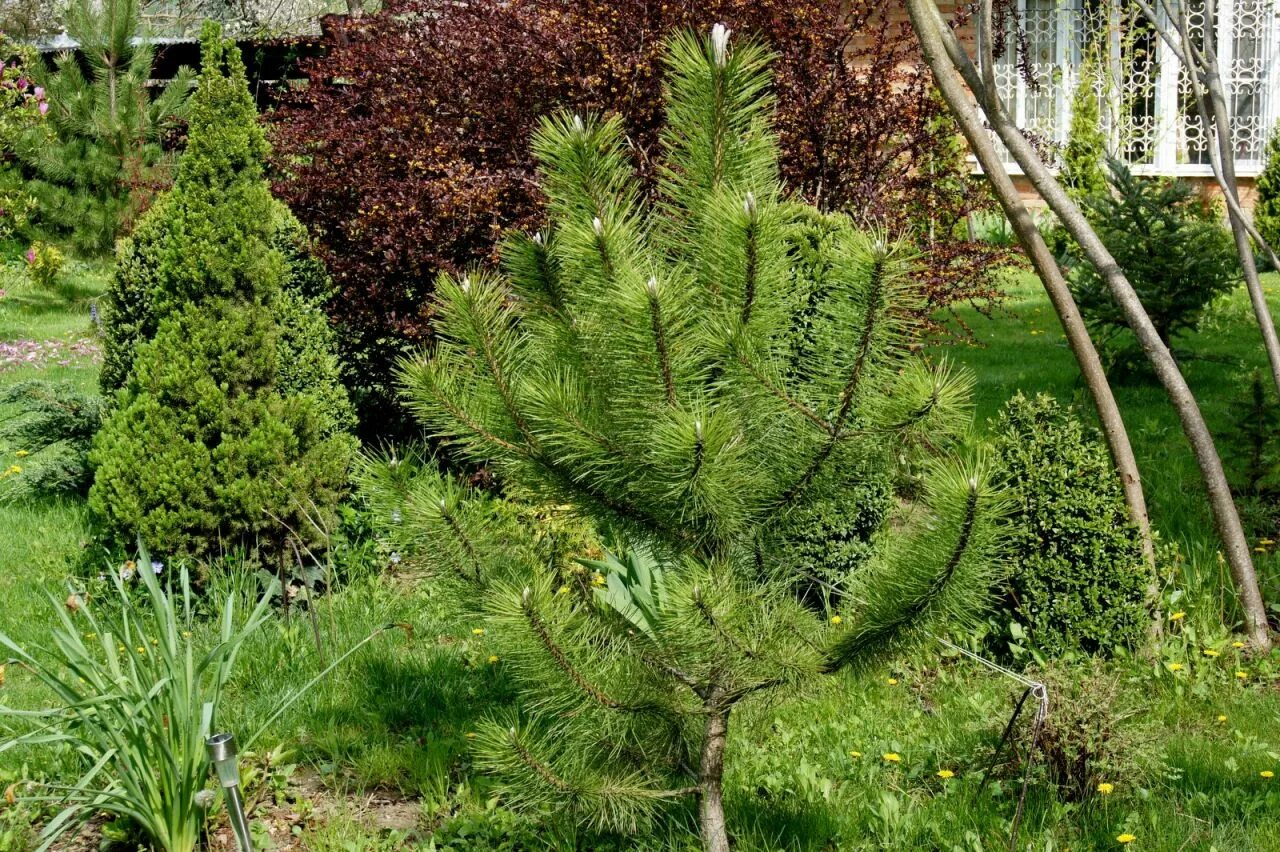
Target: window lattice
1144, 95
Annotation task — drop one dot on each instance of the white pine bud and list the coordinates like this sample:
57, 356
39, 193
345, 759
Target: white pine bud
652, 286
597, 226
578, 124
720, 43
749, 205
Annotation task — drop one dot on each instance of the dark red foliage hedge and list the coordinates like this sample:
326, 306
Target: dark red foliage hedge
407, 154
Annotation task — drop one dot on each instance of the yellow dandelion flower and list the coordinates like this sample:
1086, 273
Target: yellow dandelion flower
944, 774
597, 579
1237, 644
1125, 838
141, 650
892, 757
835, 619
1209, 652
893, 681
1259, 550
1242, 675
22, 454
186, 634
493, 658
1175, 667
1178, 616
1106, 788
855, 754
471, 735
477, 631
1268, 542
1222, 717
1267, 773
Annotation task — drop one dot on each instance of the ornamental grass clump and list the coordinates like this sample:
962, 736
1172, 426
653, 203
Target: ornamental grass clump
139, 681
672, 373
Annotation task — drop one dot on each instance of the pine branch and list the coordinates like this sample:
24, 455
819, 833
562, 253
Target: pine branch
557, 654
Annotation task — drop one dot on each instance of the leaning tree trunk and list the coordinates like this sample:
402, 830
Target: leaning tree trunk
937, 39
715, 833
1064, 304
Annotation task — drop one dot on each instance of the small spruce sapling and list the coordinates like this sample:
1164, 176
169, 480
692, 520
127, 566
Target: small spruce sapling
672, 374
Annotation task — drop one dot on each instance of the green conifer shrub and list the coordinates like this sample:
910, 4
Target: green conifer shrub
1082, 159
99, 157
1266, 210
48, 427
1172, 246
670, 372
231, 424
1079, 581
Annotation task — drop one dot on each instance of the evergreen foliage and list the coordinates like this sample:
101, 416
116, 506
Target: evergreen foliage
1080, 579
49, 426
1266, 211
1082, 160
1175, 251
229, 429
677, 375
100, 156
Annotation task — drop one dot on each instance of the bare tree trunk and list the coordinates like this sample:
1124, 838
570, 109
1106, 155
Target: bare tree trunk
1055, 285
355, 8
715, 833
936, 37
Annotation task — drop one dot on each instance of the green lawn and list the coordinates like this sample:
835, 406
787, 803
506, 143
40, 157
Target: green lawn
387, 735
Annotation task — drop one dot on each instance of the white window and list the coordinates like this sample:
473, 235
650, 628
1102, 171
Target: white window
1143, 94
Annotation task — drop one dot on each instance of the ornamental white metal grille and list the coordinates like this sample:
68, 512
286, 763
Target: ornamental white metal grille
1144, 97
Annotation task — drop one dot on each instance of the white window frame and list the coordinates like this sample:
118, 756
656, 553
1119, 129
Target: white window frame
1168, 132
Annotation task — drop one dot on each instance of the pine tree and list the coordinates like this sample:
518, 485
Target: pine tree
1266, 212
678, 376
99, 157
230, 427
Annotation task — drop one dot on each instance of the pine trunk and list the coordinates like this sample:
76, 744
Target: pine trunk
715, 834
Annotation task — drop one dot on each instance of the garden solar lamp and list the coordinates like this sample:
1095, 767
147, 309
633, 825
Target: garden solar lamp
222, 754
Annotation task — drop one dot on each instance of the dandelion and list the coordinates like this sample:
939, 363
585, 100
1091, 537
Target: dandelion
1267, 773
1178, 616
1209, 652
22, 454
186, 634
1237, 645
205, 798
1242, 675
855, 754
893, 681
1125, 838
493, 658
1106, 788
944, 774
597, 579
1175, 667
563, 590
471, 735
477, 631
1268, 542
892, 757
1259, 550
1222, 717
394, 558
141, 650
835, 619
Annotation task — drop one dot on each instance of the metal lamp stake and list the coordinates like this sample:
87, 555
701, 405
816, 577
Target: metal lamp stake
222, 753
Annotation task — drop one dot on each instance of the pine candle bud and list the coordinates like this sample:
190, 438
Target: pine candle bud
578, 125
749, 205
720, 43
652, 286
466, 284
597, 226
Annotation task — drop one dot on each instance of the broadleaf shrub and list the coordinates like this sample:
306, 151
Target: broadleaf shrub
1079, 581
408, 152
1170, 244
230, 429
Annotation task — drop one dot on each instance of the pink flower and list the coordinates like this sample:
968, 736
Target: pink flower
39, 93
31, 255
44, 107
22, 82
